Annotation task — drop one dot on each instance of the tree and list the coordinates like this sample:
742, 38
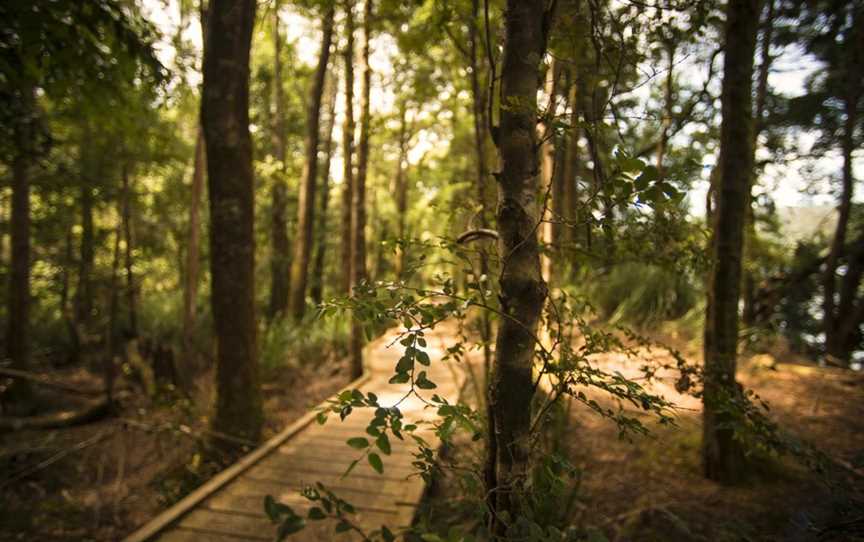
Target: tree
280, 256
317, 287
358, 194
306, 203
348, 147
523, 290
225, 119
722, 454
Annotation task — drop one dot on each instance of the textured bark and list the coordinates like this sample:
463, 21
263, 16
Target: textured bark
358, 194
193, 249
316, 288
306, 201
348, 147
280, 256
722, 455
401, 191
225, 119
18, 309
523, 291
841, 322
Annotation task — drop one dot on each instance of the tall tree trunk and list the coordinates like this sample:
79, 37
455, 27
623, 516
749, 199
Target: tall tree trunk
348, 147
523, 290
114, 338
316, 289
547, 164
358, 195
401, 191
749, 286
84, 291
835, 321
306, 202
193, 250
723, 455
570, 168
280, 256
131, 305
225, 119
18, 310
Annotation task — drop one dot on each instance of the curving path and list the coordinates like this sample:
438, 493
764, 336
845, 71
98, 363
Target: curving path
230, 506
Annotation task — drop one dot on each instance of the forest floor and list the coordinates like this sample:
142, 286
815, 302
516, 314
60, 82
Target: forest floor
101, 480
651, 488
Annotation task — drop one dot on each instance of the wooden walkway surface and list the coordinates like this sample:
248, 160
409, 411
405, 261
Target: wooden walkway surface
230, 507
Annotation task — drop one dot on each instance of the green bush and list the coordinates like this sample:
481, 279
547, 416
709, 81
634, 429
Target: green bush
644, 295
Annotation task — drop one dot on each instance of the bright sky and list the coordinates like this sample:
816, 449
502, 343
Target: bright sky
785, 182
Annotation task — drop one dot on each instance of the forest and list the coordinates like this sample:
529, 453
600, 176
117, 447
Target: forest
431, 270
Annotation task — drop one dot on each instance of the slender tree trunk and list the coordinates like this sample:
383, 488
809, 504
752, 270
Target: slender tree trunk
114, 338
835, 321
18, 311
749, 286
317, 287
306, 202
132, 329
193, 250
547, 165
84, 291
225, 119
401, 191
348, 147
358, 194
571, 167
666, 123
722, 454
523, 290
280, 257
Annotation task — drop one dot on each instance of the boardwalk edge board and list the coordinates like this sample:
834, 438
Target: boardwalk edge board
171, 515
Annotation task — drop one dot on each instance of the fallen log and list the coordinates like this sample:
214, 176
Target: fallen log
91, 411
48, 382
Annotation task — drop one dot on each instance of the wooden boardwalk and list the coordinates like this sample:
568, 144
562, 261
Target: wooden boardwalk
230, 507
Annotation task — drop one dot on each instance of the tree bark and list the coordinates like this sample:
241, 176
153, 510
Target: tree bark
722, 454
193, 250
225, 119
358, 195
522, 288
84, 291
316, 289
306, 201
18, 311
571, 167
348, 147
280, 257
666, 123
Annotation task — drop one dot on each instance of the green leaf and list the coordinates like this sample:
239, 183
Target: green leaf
376, 463
350, 468
321, 418
406, 363
343, 526
383, 443
400, 378
423, 357
358, 443
387, 534
316, 513
424, 383
290, 526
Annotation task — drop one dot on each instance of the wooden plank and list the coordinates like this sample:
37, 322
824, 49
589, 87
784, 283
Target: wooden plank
226, 523
310, 461
250, 501
367, 484
171, 515
189, 535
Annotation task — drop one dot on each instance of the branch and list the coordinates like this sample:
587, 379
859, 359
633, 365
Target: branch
474, 235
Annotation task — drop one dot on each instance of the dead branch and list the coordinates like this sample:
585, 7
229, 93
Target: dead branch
473, 235
47, 382
88, 413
